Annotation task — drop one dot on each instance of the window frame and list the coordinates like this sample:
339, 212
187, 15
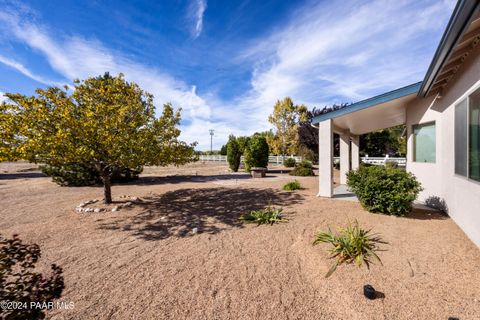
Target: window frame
467, 97
414, 142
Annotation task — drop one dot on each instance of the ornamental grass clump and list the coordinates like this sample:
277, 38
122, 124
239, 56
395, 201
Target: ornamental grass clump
269, 215
293, 185
384, 189
351, 244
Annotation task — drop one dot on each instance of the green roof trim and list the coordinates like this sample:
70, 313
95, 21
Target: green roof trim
459, 21
364, 104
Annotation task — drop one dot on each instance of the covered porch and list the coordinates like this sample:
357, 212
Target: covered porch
380, 112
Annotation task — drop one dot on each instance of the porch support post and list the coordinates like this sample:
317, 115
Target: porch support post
344, 157
355, 152
325, 158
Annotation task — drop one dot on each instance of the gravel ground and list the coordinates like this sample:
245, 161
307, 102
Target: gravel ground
145, 262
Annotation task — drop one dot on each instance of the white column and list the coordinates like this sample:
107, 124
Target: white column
325, 158
355, 152
344, 157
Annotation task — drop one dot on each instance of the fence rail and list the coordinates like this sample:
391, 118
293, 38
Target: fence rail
279, 159
271, 159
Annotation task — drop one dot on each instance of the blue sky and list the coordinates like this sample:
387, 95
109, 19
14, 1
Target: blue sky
224, 62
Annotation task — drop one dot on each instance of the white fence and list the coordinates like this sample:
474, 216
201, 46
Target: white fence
271, 159
279, 159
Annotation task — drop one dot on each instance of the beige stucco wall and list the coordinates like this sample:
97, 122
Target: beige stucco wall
461, 195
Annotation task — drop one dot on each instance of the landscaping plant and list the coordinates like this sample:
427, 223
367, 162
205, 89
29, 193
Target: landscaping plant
350, 244
384, 189
234, 153
20, 284
294, 185
289, 162
102, 123
256, 152
269, 215
303, 169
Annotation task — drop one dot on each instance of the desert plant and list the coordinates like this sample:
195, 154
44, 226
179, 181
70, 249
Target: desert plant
303, 169
19, 282
256, 152
384, 189
289, 162
294, 185
269, 215
233, 153
350, 244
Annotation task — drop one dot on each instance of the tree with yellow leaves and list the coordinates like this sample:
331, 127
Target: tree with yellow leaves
105, 123
285, 118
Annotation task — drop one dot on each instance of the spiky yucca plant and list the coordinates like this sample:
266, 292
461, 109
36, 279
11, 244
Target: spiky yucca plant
268, 215
351, 244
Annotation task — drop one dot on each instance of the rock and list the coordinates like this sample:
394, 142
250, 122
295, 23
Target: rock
134, 199
114, 209
128, 204
194, 230
89, 210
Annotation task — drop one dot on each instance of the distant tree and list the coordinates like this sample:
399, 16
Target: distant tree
105, 123
256, 152
286, 118
233, 153
308, 135
223, 150
379, 143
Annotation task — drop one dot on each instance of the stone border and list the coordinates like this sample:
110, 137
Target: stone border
82, 207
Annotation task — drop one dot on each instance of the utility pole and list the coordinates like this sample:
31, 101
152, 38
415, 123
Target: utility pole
211, 140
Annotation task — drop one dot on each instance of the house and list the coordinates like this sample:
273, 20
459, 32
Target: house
442, 116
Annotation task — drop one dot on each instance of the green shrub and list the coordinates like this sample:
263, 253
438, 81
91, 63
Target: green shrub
79, 175
20, 283
384, 189
350, 244
256, 152
289, 162
233, 153
294, 185
303, 169
268, 215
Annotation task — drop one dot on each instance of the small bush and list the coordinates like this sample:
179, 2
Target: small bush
350, 244
19, 282
268, 215
303, 169
294, 185
256, 152
289, 162
384, 189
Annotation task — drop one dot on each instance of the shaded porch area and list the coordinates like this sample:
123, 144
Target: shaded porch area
380, 112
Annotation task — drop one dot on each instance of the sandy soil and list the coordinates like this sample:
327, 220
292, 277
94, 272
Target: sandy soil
145, 262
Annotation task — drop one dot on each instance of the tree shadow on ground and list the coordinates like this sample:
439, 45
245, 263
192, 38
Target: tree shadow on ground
21, 175
156, 180
210, 210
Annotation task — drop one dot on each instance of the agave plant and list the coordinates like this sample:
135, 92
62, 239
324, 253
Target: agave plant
268, 215
351, 244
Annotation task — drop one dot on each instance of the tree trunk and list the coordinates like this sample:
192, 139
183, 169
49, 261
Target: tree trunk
107, 190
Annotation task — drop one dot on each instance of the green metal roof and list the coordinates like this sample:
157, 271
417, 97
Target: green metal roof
385, 97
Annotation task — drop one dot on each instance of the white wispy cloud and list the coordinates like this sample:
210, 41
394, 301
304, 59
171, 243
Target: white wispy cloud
196, 11
25, 71
326, 52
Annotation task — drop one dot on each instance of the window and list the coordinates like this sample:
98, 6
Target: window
467, 137
424, 142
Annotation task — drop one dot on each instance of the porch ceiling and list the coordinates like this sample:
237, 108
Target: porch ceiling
380, 116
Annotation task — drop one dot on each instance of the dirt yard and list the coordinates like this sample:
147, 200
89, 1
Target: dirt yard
145, 262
